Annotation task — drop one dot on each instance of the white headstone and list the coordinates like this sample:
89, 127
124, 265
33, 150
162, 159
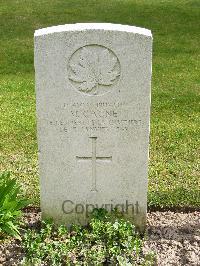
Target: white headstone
93, 115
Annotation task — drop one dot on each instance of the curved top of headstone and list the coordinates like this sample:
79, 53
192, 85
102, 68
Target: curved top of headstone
93, 26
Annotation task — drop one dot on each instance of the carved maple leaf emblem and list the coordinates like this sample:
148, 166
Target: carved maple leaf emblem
94, 69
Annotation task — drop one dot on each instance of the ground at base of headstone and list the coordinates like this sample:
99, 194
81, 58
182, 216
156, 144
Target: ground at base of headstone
173, 237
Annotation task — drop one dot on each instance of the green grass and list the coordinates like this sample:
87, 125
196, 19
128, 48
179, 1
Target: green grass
174, 154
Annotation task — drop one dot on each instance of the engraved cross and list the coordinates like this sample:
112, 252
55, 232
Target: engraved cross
94, 159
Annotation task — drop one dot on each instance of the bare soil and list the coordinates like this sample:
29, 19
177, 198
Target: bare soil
173, 237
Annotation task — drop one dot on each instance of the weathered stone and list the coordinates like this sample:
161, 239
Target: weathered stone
93, 113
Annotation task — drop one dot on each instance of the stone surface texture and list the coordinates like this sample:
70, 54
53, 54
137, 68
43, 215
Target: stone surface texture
93, 117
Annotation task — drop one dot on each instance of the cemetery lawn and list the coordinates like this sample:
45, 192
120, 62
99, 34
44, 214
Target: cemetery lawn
174, 143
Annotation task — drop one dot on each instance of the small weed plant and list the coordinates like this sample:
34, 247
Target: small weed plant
10, 206
107, 240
